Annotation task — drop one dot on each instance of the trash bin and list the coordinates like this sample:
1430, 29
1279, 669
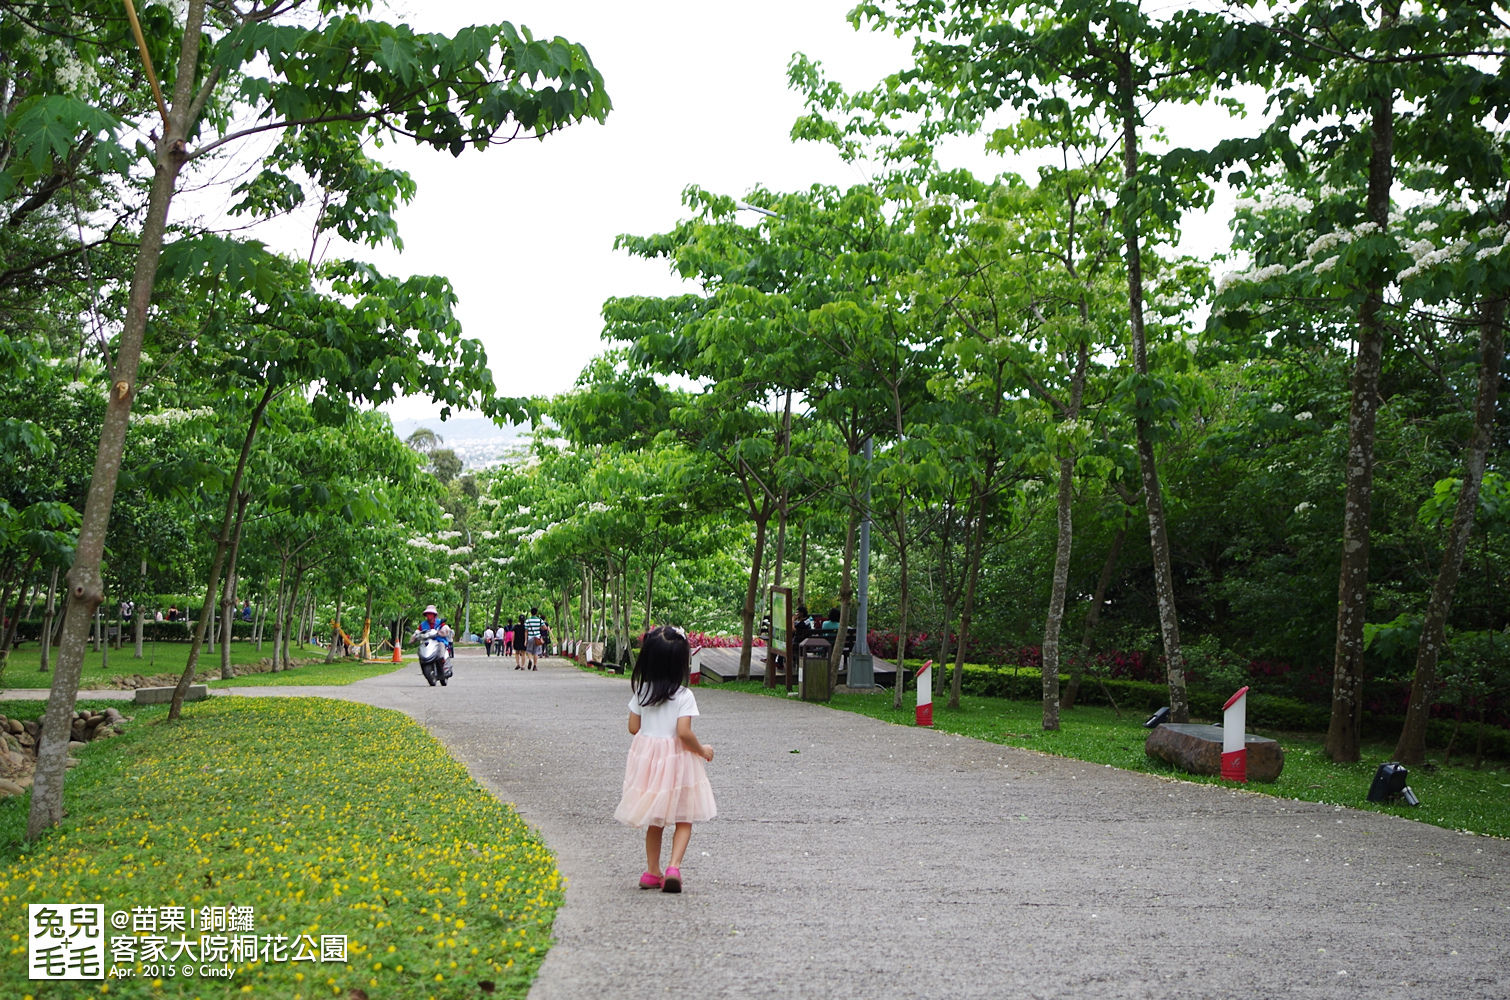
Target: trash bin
1389, 785
814, 655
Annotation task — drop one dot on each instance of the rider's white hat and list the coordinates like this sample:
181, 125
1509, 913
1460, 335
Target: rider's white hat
430, 610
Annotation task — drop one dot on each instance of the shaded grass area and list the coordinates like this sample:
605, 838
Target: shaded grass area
326, 818
22, 669
1459, 798
319, 672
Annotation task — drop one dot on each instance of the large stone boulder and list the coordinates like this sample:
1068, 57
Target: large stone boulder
1198, 749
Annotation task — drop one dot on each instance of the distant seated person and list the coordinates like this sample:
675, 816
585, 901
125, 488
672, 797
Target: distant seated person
831, 624
173, 613
432, 621
246, 611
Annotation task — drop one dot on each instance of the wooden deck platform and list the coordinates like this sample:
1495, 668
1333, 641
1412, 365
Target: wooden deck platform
723, 664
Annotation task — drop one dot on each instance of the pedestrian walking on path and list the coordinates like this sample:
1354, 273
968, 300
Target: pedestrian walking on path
521, 645
665, 783
532, 626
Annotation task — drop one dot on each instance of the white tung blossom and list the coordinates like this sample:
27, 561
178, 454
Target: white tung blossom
165, 417
1327, 264
1432, 259
1277, 408
1303, 415
1303, 506
1324, 243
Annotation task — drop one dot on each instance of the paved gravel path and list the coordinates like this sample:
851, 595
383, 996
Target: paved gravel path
855, 859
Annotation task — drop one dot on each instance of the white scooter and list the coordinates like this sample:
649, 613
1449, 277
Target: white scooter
434, 657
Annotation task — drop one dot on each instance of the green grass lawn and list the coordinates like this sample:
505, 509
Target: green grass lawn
319, 672
1459, 798
326, 817
22, 670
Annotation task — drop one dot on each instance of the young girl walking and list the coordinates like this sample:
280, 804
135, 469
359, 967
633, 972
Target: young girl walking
665, 783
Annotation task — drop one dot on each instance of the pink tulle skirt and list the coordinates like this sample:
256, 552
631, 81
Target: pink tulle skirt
664, 784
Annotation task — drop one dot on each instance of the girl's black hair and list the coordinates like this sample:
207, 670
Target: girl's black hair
663, 666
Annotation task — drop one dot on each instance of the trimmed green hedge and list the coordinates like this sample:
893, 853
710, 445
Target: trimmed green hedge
1264, 711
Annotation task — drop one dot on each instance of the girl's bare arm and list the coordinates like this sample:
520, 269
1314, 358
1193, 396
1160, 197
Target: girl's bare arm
691, 742
634, 724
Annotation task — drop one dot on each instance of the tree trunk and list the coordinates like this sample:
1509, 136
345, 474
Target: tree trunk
293, 621
1411, 747
210, 611
50, 610
85, 582
9, 638
337, 626
1153, 497
229, 522
1063, 548
904, 605
228, 595
846, 599
624, 605
279, 617
802, 569
972, 571
1343, 733
602, 611
260, 624
1092, 618
752, 591
366, 651
1057, 592
139, 630
949, 595
56, 639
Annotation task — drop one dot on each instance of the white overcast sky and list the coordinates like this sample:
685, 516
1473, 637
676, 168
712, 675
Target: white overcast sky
525, 231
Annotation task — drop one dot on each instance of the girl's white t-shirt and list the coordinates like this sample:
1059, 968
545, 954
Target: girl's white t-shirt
660, 720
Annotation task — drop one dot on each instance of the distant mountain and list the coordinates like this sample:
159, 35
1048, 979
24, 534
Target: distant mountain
477, 441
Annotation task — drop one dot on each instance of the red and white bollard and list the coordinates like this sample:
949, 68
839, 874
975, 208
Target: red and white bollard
697, 665
1234, 729
925, 694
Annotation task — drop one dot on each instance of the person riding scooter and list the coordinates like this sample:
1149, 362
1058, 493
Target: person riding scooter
432, 664
432, 621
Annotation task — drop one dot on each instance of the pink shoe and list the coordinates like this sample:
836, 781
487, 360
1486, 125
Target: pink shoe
649, 881
673, 880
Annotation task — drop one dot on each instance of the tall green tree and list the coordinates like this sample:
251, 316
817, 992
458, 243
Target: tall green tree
1106, 58
317, 75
